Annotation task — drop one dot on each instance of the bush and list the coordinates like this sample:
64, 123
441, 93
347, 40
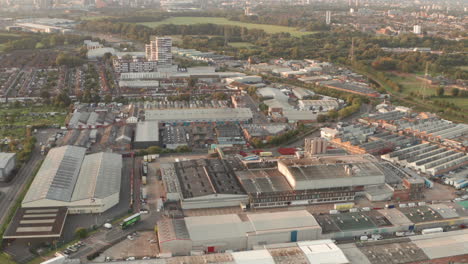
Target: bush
81, 232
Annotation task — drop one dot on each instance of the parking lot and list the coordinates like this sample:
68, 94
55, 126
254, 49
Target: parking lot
144, 244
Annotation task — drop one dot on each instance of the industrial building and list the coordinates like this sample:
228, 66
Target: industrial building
218, 233
82, 183
146, 135
318, 105
428, 158
210, 115
263, 131
229, 134
174, 137
7, 165
203, 183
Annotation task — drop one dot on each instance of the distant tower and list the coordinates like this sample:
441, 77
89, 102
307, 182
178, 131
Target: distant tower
328, 17
315, 146
357, 3
417, 29
160, 50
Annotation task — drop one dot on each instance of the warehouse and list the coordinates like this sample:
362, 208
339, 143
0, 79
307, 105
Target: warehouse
203, 183
7, 165
318, 105
428, 158
82, 183
210, 115
174, 137
218, 233
146, 135
331, 172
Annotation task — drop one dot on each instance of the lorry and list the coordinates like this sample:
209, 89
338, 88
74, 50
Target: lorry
432, 230
143, 180
144, 193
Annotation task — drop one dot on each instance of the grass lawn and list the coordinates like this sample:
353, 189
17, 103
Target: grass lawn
412, 84
94, 17
5, 259
241, 45
1, 47
224, 21
459, 101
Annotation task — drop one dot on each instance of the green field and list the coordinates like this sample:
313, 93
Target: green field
412, 84
5, 259
94, 17
245, 45
223, 21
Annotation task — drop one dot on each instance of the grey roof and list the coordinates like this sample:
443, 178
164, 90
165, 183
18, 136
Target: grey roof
147, 131
99, 177
282, 220
200, 115
57, 176
5, 158
214, 227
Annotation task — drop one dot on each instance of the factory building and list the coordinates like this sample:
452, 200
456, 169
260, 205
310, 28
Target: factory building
318, 105
82, 183
146, 135
428, 158
210, 115
7, 165
174, 137
204, 183
218, 233
229, 134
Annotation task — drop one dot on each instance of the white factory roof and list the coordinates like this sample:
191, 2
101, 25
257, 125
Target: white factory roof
67, 175
298, 115
99, 177
262, 256
216, 227
138, 83
5, 158
323, 252
57, 176
440, 245
282, 220
200, 115
147, 131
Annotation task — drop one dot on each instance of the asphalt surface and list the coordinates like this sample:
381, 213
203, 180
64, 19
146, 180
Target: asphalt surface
12, 189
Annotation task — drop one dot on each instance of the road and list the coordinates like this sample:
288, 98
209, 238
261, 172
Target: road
11, 190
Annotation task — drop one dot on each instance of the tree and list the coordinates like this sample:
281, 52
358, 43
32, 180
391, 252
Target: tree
455, 91
81, 232
107, 98
321, 118
333, 114
440, 91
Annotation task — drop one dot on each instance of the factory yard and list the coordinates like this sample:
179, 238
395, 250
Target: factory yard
144, 244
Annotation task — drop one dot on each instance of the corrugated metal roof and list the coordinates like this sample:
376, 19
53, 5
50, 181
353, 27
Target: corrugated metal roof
100, 176
147, 131
282, 220
5, 158
253, 257
216, 227
56, 178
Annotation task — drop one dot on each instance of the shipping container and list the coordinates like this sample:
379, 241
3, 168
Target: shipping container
266, 154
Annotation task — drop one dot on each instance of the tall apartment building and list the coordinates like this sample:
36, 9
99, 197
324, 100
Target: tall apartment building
160, 50
417, 29
315, 146
328, 17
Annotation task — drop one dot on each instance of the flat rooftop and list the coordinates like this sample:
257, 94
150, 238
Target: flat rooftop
200, 115
421, 214
147, 131
206, 176
351, 221
46, 222
263, 181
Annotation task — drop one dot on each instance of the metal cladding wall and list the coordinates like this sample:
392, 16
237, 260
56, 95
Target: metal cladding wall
283, 236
